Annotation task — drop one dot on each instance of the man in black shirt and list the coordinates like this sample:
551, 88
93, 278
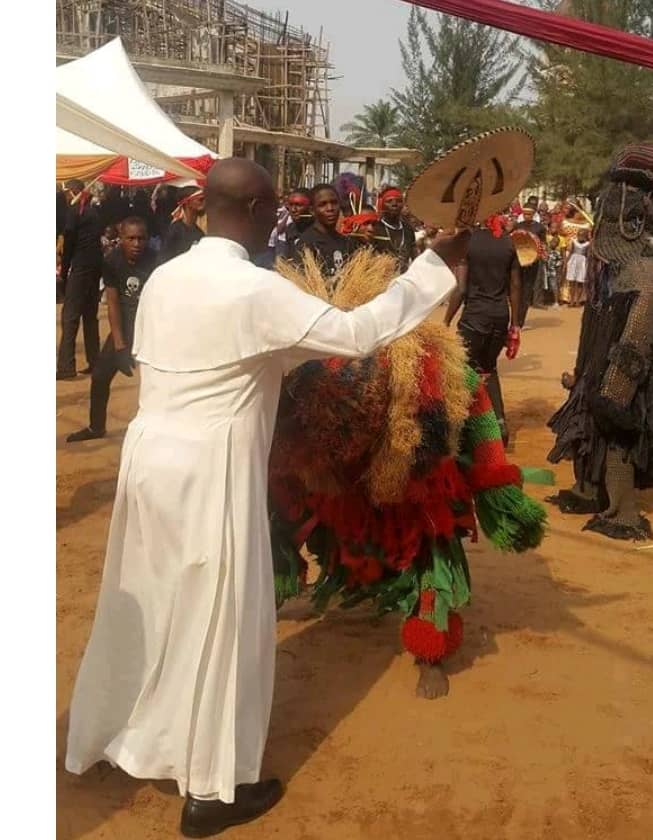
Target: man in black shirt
301, 218
330, 248
125, 272
184, 232
487, 281
81, 267
392, 233
530, 273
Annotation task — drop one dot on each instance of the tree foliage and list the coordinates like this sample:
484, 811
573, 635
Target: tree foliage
587, 107
377, 126
460, 79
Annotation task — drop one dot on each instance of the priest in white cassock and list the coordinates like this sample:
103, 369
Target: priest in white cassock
177, 678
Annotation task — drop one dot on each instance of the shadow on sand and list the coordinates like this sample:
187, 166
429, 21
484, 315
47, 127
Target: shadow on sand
329, 665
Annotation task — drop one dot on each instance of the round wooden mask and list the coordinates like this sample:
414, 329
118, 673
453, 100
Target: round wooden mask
474, 180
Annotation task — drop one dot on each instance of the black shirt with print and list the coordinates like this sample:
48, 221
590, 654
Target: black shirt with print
128, 278
330, 248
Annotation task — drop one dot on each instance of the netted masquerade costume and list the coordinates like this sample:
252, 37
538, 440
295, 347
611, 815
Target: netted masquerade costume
381, 466
606, 425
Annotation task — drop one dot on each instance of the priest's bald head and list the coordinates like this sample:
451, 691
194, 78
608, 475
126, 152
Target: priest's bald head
241, 203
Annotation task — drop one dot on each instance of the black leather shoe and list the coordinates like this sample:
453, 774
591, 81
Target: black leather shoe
204, 818
66, 374
85, 434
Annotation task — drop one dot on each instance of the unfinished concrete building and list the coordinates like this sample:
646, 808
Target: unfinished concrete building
239, 80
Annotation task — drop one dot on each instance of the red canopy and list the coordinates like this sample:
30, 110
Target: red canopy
127, 172
553, 28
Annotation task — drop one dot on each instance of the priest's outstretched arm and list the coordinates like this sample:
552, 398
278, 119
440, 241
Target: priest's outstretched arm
390, 315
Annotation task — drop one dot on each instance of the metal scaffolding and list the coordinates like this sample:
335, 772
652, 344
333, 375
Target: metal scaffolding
208, 33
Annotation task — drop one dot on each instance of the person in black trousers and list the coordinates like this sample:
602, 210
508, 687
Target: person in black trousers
489, 287
125, 272
81, 269
530, 274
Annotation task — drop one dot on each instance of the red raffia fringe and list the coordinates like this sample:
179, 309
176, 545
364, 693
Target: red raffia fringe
423, 639
484, 476
550, 27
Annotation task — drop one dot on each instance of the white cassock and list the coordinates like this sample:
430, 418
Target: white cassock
177, 678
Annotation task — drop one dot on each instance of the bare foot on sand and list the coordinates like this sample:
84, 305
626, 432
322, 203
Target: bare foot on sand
432, 682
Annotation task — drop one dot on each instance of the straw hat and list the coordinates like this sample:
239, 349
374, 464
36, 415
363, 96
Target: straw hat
474, 180
526, 245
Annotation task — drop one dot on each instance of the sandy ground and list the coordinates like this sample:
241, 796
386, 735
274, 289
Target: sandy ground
546, 732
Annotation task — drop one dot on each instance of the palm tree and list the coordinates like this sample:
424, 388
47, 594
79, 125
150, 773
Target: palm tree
377, 126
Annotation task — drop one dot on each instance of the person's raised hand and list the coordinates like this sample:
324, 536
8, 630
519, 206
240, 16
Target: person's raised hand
451, 246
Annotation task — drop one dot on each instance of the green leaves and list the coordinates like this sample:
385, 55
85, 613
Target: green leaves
377, 126
459, 80
587, 107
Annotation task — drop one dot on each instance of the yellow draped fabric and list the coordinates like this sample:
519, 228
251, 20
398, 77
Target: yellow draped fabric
82, 167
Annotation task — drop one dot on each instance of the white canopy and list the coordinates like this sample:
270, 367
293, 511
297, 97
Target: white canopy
101, 99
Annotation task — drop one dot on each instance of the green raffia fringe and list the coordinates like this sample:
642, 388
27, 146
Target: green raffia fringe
449, 578
287, 582
510, 519
286, 560
390, 593
537, 475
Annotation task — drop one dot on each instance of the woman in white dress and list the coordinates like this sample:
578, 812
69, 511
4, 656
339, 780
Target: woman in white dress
576, 268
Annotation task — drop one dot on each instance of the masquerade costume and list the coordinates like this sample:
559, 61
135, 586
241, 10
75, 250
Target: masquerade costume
606, 425
382, 466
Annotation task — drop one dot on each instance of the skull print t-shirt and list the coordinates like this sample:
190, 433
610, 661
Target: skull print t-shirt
128, 278
331, 249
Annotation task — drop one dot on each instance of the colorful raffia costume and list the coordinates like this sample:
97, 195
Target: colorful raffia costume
382, 466
606, 425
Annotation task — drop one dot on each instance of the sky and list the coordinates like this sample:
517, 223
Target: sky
364, 38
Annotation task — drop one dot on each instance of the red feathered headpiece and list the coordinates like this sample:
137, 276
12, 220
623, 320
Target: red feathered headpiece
496, 224
352, 223
391, 192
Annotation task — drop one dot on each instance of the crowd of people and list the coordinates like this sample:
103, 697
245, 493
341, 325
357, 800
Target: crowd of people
110, 244
112, 241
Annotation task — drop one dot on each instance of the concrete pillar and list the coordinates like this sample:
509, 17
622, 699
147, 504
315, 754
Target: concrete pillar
319, 167
309, 173
226, 120
369, 173
281, 169
250, 151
